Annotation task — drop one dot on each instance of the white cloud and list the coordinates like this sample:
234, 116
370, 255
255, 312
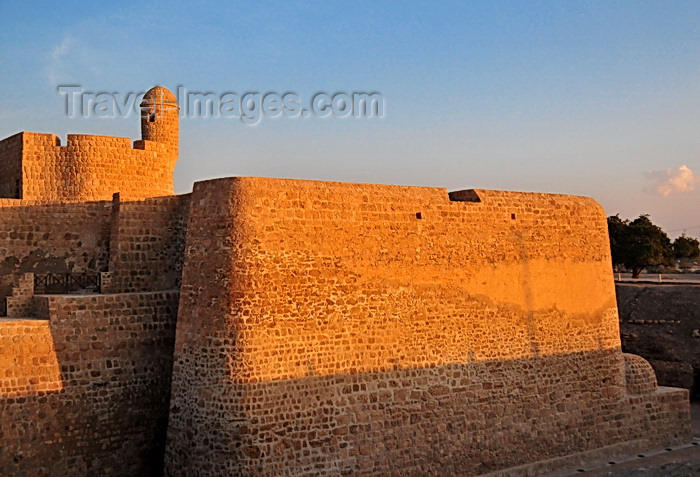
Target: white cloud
671, 181
61, 49
72, 59
57, 58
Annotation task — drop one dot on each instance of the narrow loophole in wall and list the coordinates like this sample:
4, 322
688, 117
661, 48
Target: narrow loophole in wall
419, 216
512, 216
152, 118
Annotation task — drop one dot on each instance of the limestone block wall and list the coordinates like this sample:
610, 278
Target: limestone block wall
85, 390
140, 242
147, 243
330, 328
87, 168
44, 237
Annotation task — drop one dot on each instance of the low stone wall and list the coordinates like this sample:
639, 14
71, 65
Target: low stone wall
85, 390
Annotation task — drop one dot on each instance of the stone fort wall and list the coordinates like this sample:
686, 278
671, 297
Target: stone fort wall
323, 328
36, 166
87, 168
147, 241
85, 380
84, 389
140, 242
42, 237
330, 328
11, 160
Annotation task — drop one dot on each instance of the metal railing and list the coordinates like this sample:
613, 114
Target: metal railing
54, 283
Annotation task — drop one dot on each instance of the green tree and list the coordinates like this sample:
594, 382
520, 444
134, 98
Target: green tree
638, 244
617, 231
686, 247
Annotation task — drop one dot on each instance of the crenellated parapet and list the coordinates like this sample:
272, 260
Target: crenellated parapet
36, 166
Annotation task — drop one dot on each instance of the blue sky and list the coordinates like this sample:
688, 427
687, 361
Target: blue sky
590, 98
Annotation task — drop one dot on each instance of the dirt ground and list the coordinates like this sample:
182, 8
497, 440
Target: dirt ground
661, 322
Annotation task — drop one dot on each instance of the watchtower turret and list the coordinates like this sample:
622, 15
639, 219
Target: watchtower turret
159, 117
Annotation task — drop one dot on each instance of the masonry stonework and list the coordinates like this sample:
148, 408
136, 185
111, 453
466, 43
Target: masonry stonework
84, 390
285, 327
147, 242
40, 237
330, 328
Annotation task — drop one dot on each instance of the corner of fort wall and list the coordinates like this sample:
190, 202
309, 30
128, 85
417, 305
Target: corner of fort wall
322, 321
11, 149
93, 371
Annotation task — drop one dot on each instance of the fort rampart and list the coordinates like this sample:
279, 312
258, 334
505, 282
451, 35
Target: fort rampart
287, 327
42, 237
147, 243
140, 242
334, 328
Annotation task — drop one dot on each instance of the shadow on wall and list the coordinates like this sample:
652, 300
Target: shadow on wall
660, 322
87, 391
453, 419
383, 330
141, 242
56, 238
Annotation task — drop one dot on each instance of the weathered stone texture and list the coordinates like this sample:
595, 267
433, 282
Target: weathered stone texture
85, 391
94, 167
147, 243
324, 328
658, 322
639, 375
140, 242
11, 164
21, 303
330, 328
160, 120
107, 282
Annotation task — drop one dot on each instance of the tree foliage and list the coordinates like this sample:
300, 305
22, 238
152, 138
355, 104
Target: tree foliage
686, 247
638, 244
